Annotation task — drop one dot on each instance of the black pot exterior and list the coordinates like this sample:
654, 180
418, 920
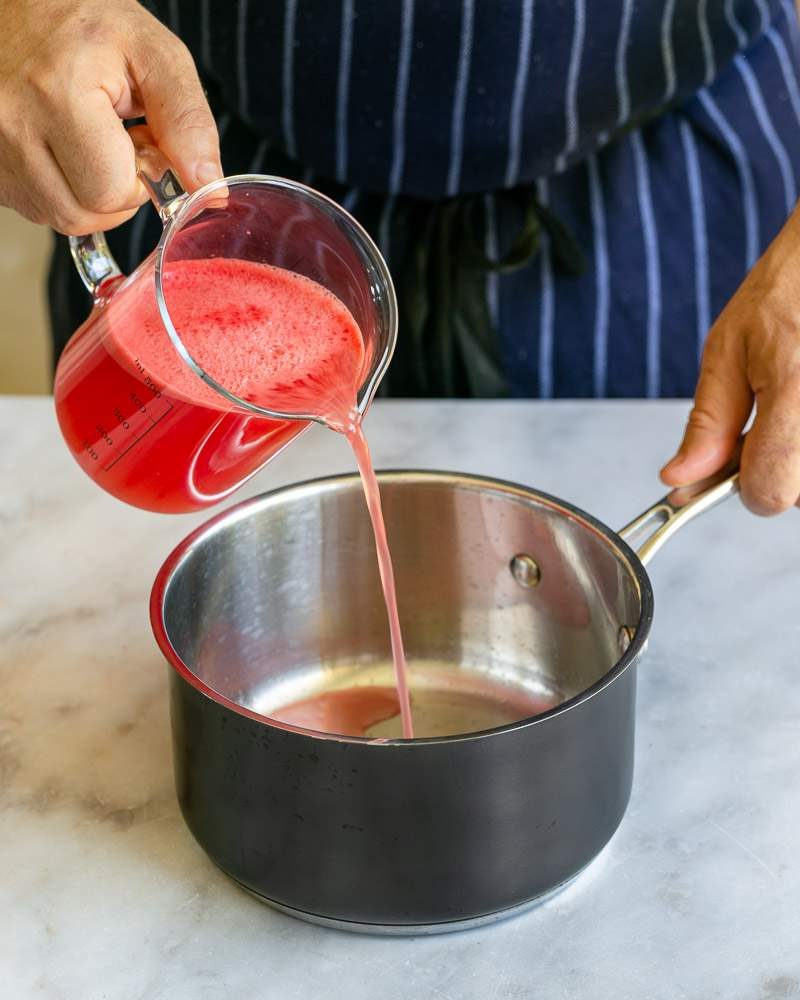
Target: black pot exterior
404, 834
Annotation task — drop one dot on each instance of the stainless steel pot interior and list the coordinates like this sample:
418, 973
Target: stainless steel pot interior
280, 598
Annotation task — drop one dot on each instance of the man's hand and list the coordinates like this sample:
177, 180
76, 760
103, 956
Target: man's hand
70, 71
752, 355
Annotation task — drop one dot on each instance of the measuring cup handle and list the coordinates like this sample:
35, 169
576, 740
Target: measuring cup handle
162, 184
91, 254
94, 261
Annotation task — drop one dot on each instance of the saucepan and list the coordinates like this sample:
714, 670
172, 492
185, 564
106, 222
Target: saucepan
501, 588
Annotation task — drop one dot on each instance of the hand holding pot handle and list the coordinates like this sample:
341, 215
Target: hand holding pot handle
648, 532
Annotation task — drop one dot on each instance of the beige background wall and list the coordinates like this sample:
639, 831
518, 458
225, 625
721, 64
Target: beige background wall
24, 351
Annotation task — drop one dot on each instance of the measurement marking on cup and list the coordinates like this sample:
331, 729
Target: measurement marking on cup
142, 407
135, 438
124, 424
148, 381
106, 438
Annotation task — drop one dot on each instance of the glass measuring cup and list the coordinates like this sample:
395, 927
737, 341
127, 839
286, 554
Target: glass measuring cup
156, 425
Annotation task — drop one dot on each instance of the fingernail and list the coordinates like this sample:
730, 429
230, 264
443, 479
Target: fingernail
208, 172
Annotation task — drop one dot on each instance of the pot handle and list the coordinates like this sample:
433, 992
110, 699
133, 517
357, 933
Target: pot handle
648, 532
91, 254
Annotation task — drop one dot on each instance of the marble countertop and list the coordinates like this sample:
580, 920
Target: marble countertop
105, 896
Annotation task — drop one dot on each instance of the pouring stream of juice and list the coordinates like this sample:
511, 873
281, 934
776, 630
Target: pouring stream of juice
361, 450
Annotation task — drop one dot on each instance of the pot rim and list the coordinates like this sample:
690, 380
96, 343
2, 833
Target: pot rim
244, 509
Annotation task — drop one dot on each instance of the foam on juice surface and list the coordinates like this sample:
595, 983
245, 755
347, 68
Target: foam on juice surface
268, 335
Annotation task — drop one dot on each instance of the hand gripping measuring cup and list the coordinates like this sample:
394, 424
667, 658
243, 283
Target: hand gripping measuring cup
155, 424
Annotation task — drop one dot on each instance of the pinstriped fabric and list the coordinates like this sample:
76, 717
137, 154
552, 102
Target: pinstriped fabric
790, 13
492, 251
547, 306
460, 98
745, 172
705, 37
787, 69
223, 124
258, 157
586, 69
571, 102
288, 77
736, 28
205, 35
652, 266
460, 95
763, 11
668, 52
520, 80
384, 233
241, 57
620, 67
350, 200
699, 235
765, 121
602, 277
401, 96
668, 217
343, 90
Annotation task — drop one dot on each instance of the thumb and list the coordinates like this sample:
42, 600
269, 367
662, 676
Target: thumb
723, 402
176, 109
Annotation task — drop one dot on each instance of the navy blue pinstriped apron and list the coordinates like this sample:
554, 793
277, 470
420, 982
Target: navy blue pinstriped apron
568, 192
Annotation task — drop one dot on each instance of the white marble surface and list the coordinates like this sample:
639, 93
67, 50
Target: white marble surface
105, 896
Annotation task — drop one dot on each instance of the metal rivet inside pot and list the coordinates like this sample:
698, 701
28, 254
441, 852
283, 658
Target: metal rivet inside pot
525, 570
625, 637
